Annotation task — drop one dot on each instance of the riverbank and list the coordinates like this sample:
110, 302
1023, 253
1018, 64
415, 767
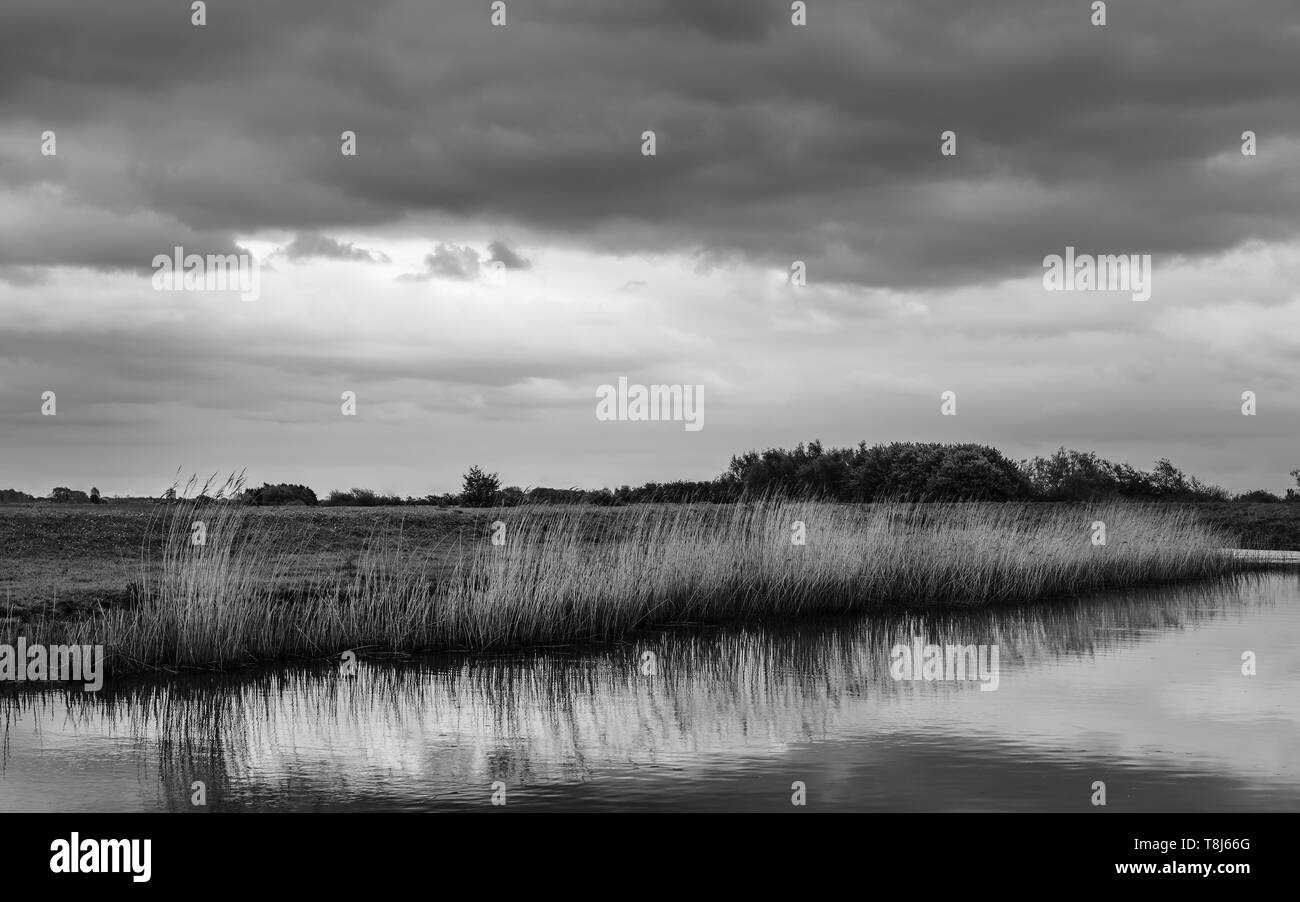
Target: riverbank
269, 585
1117, 686
67, 559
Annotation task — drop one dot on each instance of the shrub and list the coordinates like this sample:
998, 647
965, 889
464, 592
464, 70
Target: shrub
480, 489
278, 495
1259, 496
357, 497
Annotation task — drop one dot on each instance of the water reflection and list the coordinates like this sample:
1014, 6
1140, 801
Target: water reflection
1141, 689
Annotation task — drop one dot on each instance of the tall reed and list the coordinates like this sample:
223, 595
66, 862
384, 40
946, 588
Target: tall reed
574, 574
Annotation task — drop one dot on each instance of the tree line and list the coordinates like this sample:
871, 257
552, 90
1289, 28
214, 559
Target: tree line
903, 471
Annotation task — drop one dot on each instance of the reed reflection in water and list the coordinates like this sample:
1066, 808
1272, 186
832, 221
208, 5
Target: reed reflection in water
1141, 689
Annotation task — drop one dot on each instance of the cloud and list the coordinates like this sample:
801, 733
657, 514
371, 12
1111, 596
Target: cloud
453, 261
775, 142
23, 275
500, 252
308, 245
448, 261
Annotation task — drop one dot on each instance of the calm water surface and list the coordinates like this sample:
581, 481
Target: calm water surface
1141, 689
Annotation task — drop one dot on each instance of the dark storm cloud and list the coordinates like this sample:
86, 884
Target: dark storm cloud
68, 55
97, 238
722, 20
774, 142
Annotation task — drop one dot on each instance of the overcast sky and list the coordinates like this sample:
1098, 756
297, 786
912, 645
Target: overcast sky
522, 144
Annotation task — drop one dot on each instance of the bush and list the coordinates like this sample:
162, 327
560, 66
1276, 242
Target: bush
1259, 496
1079, 476
279, 495
480, 488
900, 470
362, 498
512, 496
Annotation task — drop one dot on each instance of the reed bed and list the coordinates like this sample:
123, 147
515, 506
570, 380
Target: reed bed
570, 575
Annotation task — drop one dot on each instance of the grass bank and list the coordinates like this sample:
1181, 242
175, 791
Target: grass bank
576, 574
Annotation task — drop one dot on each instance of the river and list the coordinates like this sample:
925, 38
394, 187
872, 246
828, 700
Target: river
1141, 690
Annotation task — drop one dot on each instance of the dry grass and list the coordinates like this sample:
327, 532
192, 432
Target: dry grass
572, 575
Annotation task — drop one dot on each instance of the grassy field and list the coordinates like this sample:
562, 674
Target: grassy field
67, 558
274, 583
1272, 526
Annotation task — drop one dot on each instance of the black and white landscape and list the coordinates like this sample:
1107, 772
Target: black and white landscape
662, 405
